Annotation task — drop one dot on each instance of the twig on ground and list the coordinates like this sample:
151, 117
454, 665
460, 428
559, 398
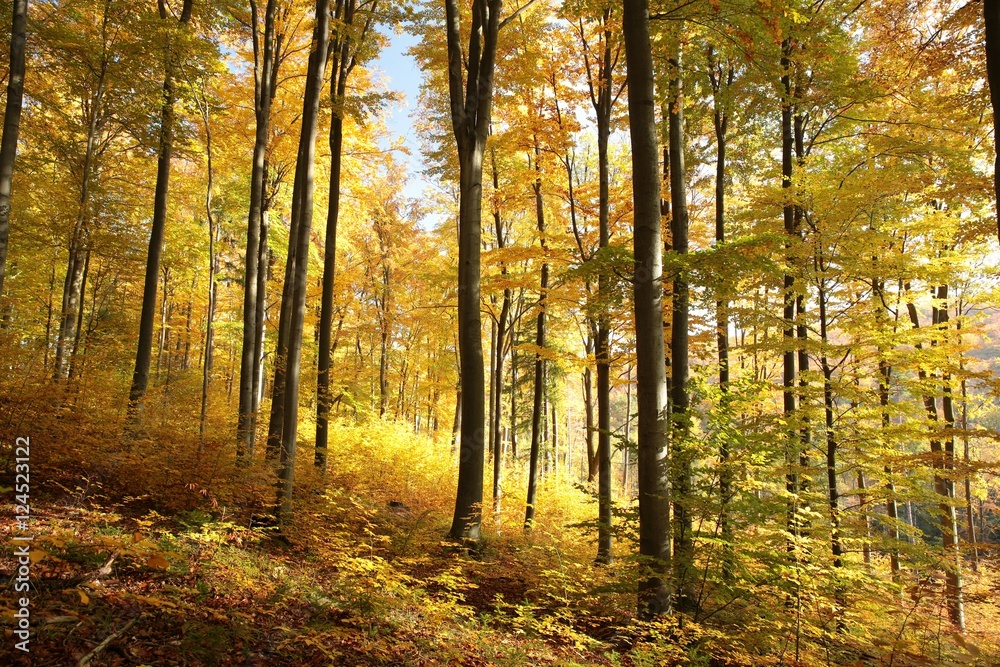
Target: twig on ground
85, 660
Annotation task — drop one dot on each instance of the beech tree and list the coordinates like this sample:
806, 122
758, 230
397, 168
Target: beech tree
11, 123
651, 380
144, 348
265, 75
298, 253
471, 94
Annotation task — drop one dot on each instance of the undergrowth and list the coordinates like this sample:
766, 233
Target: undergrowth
163, 536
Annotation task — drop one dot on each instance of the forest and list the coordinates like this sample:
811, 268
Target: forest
653, 332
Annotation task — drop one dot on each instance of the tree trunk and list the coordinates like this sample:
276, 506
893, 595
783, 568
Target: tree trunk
891, 506
343, 63
680, 401
949, 519
276, 422
163, 319
501, 341
602, 108
206, 376
970, 524
588, 406
788, 314
78, 332
264, 62
263, 266
144, 347
953, 580
471, 107
721, 123
11, 124
836, 547
628, 433
456, 424
304, 185
651, 391
79, 252
991, 17
536, 412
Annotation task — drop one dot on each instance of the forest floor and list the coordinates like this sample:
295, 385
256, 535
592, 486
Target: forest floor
130, 561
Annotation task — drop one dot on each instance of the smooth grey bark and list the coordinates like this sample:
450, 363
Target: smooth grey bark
265, 68
304, 169
144, 347
471, 98
539, 386
11, 124
651, 381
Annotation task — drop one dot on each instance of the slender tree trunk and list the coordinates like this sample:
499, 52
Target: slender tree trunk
801, 330
991, 16
836, 546
788, 357
588, 406
276, 422
949, 520
79, 252
11, 124
471, 106
651, 392
602, 348
78, 326
456, 424
721, 124
48, 315
186, 363
297, 310
891, 505
264, 62
491, 399
140, 376
953, 580
501, 342
536, 412
343, 63
684, 549
628, 433
263, 256
206, 376
513, 391
970, 524
163, 319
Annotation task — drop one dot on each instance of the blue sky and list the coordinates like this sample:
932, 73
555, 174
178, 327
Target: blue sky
402, 75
